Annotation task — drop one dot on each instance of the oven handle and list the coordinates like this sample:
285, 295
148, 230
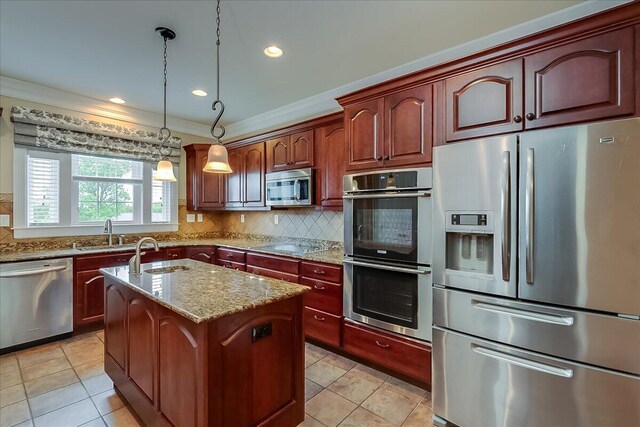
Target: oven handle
386, 267
387, 195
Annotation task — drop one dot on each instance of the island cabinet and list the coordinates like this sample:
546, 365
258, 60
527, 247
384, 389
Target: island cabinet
330, 164
392, 131
245, 185
590, 79
293, 151
243, 369
205, 191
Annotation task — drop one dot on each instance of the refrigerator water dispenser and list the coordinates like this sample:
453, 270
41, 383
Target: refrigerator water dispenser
469, 241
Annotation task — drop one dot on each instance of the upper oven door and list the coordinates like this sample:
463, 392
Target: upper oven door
389, 226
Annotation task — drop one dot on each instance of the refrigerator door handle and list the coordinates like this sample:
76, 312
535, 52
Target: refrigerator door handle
529, 200
506, 216
524, 314
525, 363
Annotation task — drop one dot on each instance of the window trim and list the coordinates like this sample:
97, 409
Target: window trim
66, 228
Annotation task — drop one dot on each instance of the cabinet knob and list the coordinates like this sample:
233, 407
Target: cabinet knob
517, 118
530, 116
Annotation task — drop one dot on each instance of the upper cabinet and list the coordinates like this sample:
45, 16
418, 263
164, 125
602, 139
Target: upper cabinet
485, 102
205, 191
245, 185
590, 79
290, 152
391, 131
330, 162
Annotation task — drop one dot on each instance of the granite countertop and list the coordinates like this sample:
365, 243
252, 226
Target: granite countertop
204, 292
331, 256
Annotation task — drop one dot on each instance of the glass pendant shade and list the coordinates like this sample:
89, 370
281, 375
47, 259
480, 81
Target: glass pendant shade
217, 160
164, 172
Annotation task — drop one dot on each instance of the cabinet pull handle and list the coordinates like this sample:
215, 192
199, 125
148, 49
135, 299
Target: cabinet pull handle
318, 271
321, 319
320, 288
517, 118
530, 116
93, 279
379, 158
382, 345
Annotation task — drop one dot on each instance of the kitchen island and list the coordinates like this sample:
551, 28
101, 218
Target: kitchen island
193, 344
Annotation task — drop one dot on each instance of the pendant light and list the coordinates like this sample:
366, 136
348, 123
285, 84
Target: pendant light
217, 158
164, 169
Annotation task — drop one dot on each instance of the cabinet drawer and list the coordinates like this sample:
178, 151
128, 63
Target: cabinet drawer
324, 296
230, 264
152, 256
276, 263
329, 273
404, 356
230, 255
322, 326
95, 262
273, 274
175, 253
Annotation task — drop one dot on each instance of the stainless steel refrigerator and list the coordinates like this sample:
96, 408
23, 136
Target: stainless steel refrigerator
536, 272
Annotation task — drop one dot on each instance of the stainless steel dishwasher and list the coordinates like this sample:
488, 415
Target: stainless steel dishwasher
35, 300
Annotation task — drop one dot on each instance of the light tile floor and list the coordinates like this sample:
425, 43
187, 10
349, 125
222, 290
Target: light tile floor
64, 384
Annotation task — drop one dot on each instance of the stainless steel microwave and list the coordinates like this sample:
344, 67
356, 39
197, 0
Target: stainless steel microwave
290, 188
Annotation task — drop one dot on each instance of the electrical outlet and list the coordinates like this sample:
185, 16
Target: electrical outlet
5, 220
191, 218
199, 217
276, 220
241, 217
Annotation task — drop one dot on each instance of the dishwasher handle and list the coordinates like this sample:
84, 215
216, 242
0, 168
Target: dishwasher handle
21, 273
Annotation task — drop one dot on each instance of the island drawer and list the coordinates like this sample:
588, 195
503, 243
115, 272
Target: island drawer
322, 326
329, 273
273, 274
325, 296
230, 264
231, 255
402, 355
272, 262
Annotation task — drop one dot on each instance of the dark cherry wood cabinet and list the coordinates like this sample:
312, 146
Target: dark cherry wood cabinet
233, 255
330, 164
175, 372
322, 326
591, 79
200, 253
485, 102
245, 185
363, 124
278, 154
323, 304
205, 191
302, 149
293, 151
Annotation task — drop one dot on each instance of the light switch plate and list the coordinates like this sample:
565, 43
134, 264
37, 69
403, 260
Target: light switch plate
276, 220
191, 218
5, 220
241, 217
199, 217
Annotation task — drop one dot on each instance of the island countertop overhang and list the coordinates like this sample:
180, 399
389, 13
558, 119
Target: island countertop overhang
204, 292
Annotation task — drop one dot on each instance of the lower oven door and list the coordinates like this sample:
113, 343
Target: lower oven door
390, 297
480, 383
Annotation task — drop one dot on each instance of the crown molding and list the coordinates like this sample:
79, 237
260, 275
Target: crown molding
33, 92
309, 108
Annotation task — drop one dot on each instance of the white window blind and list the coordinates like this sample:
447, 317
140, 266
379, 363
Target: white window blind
161, 202
43, 191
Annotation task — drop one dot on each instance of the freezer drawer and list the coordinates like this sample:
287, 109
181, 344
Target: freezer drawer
480, 383
602, 340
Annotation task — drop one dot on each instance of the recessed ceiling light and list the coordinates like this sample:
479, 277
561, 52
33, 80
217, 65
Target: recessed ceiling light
273, 51
199, 92
117, 100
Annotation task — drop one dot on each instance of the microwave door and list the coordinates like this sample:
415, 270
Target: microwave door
580, 216
475, 215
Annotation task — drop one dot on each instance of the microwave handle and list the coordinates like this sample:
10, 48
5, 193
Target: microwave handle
296, 193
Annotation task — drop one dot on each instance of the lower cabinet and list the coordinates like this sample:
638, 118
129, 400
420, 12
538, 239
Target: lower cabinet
200, 253
322, 326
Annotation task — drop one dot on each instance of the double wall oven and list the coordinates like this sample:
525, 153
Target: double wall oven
387, 283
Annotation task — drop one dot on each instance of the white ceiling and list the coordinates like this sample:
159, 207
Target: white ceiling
102, 49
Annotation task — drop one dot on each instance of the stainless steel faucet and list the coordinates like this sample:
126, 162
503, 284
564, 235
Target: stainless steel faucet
134, 262
108, 229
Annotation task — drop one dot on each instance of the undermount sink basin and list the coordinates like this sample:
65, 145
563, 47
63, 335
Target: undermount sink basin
165, 270
288, 248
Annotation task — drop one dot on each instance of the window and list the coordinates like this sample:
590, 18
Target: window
73, 194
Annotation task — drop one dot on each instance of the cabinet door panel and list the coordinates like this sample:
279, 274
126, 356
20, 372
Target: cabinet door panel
590, 79
278, 154
332, 164
115, 324
409, 127
211, 186
89, 305
302, 149
363, 132
141, 346
484, 102
254, 166
234, 180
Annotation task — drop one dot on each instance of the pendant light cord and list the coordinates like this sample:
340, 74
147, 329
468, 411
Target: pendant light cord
217, 103
165, 132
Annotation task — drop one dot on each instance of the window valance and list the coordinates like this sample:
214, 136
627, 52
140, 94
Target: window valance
58, 132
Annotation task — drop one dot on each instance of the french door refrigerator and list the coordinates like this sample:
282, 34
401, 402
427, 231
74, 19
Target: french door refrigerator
536, 272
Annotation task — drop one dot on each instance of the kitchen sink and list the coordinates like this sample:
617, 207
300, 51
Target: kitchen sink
165, 270
288, 248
